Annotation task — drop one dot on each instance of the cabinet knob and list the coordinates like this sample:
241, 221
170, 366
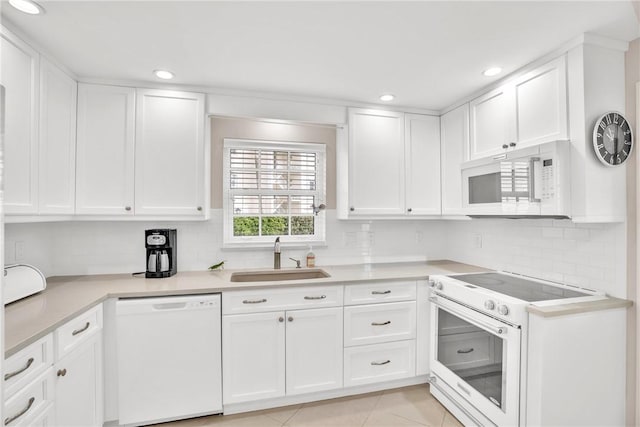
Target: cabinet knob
409, 210
290, 319
199, 208
280, 319
62, 372
512, 144
352, 209
127, 208
505, 146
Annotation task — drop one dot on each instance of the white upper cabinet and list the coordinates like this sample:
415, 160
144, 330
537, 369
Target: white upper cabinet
169, 153
422, 162
531, 109
19, 76
393, 164
454, 140
491, 121
105, 153
541, 104
376, 162
57, 147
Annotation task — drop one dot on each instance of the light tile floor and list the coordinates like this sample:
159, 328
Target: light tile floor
407, 406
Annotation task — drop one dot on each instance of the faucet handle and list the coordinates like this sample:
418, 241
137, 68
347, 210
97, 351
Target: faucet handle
297, 262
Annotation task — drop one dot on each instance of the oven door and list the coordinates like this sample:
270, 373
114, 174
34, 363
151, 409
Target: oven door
478, 357
503, 187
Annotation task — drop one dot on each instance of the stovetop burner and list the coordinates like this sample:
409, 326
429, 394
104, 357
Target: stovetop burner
516, 287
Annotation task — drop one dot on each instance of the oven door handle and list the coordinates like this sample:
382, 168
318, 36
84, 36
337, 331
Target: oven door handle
498, 330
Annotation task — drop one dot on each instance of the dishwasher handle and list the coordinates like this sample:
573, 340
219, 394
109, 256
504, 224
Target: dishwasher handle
170, 306
133, 306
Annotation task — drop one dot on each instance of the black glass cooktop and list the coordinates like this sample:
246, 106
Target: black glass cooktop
516, 287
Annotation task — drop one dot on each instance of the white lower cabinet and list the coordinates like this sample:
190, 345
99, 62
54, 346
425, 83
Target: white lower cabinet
24, 406
314, 350
379, 362
253, 356
268, 355
78, 385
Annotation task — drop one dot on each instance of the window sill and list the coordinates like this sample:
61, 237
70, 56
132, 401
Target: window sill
240, 246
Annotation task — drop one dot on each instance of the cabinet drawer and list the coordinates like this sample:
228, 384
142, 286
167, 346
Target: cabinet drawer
76, 331
380, 362
468, 350
22, 407
379, 292
263, 300
24, 366
377, 323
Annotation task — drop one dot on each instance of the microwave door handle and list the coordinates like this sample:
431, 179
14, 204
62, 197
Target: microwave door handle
532, 180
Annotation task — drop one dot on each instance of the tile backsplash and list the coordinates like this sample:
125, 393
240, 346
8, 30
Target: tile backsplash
590, 255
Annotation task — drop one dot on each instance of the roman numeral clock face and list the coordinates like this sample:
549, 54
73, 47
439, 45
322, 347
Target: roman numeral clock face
612, 139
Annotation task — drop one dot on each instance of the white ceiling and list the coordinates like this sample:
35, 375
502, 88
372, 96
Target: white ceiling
429, 54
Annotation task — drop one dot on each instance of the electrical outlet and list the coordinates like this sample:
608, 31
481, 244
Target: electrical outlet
19, 251
477, 240
419, 236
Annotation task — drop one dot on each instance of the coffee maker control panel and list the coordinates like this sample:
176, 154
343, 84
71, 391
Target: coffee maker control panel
156, 239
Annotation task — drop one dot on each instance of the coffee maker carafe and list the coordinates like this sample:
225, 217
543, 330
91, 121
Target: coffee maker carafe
161, 252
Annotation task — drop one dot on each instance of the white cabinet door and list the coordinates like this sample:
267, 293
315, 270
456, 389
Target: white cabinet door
541, 104
253, 356
57, 148
314, 350
422, 164
105, 150
491, 123
454, 134
376, 162
19, 76
78, 386
170, 153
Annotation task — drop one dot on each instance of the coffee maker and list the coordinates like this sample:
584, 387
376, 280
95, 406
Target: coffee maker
161, 252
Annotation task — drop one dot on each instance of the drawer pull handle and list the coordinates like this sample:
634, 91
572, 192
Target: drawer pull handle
465, 351
381, 363
81, 330
320, 297
380, 292
388, 322
9, 420
19, 371
254, 301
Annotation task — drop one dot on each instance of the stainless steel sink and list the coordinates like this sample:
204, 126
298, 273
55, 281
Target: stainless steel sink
278, 276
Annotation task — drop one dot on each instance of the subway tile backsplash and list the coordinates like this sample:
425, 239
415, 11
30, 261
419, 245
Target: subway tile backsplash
589, 255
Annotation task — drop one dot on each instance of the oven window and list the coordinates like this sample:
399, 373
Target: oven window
473, 354
485, 188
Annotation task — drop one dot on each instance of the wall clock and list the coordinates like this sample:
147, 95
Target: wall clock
612, 139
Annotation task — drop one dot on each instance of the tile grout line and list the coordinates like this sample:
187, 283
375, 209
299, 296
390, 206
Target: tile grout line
373, 409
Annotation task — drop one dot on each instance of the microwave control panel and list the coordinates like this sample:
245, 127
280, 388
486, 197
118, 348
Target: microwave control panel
548, 179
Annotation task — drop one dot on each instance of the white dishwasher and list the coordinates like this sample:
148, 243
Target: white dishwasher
169, 358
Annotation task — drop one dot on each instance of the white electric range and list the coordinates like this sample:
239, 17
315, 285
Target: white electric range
478, 336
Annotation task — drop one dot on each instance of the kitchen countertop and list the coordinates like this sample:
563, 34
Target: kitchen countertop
66, 297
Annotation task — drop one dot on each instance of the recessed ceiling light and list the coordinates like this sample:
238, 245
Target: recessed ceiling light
387, 97
493, 71
163, 74
27, 6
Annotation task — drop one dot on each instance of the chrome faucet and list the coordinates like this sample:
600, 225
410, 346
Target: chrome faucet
276, 254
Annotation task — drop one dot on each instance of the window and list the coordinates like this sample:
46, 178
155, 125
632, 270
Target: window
271, 189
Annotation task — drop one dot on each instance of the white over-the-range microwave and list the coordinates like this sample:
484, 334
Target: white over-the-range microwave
527, 182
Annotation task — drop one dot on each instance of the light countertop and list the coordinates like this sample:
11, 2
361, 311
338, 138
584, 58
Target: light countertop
31, 318
66, 297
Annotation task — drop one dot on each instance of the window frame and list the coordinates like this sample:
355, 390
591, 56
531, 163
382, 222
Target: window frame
319, 194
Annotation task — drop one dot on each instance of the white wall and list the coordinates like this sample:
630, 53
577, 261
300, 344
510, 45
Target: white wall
72, 248
590, 255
